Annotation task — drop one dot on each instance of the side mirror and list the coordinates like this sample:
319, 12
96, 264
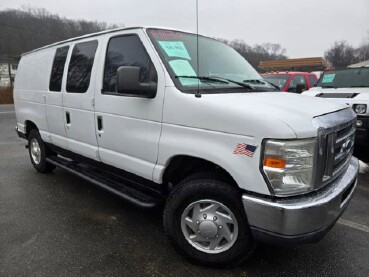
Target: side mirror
128, 83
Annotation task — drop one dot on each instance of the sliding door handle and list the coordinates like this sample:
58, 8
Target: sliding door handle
100, 123
67, 118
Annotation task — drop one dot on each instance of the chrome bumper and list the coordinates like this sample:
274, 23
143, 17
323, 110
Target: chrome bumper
309, 216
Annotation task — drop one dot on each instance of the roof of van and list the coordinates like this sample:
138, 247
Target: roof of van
97, 34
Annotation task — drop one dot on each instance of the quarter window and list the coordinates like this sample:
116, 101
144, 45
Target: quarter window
126, 51
58, 68
80, 66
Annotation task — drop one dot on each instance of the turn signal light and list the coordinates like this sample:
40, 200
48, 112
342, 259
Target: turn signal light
274, 162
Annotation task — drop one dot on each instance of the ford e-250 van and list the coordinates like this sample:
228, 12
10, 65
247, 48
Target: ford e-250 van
138, 113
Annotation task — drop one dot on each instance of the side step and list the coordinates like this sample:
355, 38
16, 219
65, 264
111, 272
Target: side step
117, 185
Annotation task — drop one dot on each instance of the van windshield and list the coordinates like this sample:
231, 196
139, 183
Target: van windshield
345, 78
220, 69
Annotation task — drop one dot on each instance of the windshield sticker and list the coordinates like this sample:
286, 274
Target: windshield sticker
183, 68
175, 49
328, 78
166, 35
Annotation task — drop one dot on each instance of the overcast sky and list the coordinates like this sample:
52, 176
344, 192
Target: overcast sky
304, 27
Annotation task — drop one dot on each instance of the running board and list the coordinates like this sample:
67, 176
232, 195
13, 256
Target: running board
110, 182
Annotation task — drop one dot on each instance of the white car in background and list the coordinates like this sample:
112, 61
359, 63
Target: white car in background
351, 87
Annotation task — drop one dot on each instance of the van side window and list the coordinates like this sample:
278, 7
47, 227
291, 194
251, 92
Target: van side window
58, 68
80, 66
126, 50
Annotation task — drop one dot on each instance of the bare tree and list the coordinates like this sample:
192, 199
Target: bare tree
254, 54
362, 52
341, 54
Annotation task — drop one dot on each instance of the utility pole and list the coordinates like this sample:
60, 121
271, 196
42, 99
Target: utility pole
10, 75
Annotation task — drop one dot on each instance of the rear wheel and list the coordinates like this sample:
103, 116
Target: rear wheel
38, 152
205, 221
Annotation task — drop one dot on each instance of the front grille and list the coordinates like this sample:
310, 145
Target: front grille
343, 147
336, 135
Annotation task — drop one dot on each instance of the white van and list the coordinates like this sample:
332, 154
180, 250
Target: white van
233, 160
348, 86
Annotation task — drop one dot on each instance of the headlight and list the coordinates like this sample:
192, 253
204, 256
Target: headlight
289, 165
360, 108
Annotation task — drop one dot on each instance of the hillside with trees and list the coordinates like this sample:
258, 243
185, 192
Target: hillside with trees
29, 28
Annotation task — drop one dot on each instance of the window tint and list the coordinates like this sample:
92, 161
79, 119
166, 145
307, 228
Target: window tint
125, 51
297, 80
80, 66
58, 68
312, 80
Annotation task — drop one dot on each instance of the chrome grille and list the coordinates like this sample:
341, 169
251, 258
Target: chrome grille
336, 135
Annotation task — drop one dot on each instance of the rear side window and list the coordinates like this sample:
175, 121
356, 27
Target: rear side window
80, 66
58, 68
125, 51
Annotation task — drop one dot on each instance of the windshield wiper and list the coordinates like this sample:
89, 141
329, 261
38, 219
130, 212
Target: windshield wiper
217, 79
235, 82
203, 78
329, 87
261, 82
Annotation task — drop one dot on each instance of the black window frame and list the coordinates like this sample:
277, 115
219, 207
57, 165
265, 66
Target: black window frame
152, 67
52, 66
71, 55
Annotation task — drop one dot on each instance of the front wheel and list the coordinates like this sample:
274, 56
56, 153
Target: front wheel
205, 221
38, 152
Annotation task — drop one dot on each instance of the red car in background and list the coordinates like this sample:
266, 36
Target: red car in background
289, 81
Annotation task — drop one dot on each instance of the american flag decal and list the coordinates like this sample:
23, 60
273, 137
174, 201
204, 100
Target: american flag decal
245, 149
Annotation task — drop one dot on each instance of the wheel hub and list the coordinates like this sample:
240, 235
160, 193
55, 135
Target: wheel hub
208, 229
209, 226
35, 151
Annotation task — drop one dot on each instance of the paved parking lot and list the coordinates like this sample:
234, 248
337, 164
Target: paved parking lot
58, 224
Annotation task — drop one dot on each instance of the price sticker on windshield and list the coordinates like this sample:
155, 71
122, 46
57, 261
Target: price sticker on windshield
175, 49
328, 78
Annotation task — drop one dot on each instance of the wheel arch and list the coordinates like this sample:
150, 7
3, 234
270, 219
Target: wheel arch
29, 125
182, 166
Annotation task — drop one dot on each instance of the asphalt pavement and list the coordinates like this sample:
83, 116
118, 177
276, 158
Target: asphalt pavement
60, 225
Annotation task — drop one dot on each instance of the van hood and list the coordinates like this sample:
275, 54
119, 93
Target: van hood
264, 115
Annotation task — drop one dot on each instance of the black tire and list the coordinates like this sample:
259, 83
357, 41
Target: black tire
362, 153
42, 166
200, 187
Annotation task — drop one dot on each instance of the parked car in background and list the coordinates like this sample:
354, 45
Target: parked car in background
351, 87
288, 81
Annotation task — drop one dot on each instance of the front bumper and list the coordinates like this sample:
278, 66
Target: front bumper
305, 218
19, 133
